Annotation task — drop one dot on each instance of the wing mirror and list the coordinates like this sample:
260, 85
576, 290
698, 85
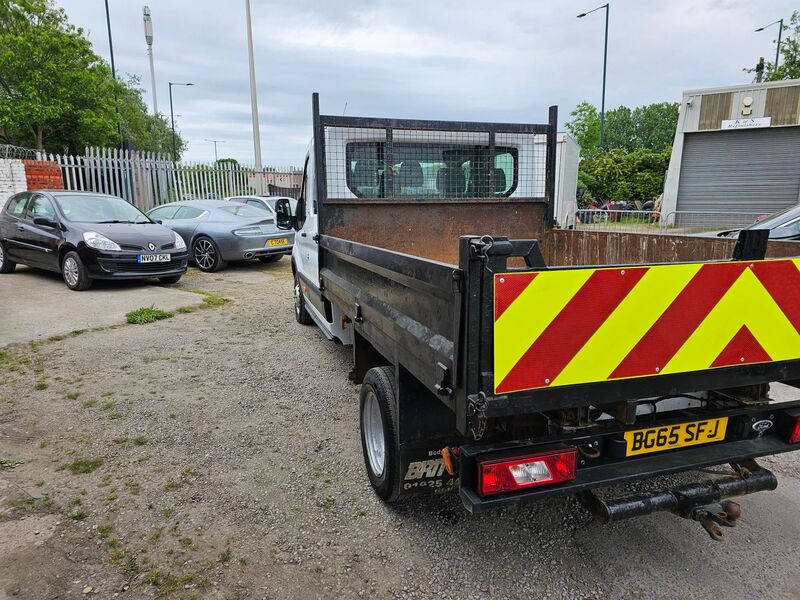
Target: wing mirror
44, 222
285, 219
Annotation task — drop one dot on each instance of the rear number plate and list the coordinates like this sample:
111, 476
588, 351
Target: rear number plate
656, 439
278, 242
151, 258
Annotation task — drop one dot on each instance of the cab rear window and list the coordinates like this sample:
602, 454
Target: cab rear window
430, 170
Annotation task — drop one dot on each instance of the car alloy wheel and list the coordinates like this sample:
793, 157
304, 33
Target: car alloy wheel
71, 271
205, 255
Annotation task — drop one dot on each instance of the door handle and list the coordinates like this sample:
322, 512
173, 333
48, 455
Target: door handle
303, 234
20, 228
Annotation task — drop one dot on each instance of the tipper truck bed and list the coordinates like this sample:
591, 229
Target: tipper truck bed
487, 371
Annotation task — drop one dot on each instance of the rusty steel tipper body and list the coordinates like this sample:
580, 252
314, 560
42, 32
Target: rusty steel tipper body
491, 364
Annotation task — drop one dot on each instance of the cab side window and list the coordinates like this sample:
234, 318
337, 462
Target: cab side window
39, 206
16, 206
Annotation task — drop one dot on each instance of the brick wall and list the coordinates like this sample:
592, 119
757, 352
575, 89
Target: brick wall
43, 175
12, 178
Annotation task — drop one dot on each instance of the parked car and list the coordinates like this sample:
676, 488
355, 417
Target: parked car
86, 236
217, 232
782, 225
266, 203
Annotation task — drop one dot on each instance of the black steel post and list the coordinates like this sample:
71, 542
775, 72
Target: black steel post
172, 118
550, 167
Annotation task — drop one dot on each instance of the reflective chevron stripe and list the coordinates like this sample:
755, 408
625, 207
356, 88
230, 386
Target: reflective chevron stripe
573, 326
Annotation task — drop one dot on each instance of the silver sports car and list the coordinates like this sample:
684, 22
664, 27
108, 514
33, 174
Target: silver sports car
216, 232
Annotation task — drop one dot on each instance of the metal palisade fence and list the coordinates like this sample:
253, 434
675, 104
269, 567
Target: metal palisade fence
147, 179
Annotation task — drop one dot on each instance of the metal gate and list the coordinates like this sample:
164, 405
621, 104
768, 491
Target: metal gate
740, 171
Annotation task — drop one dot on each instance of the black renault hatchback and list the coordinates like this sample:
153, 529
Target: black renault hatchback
86, 236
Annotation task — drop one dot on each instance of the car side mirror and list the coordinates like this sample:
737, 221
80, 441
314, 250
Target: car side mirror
284, 219
44, 222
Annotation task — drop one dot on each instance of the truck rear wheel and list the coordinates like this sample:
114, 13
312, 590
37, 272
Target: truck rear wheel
379, 432
300, 312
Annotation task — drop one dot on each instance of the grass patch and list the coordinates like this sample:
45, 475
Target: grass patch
184, 310
41, 386
104, 530
78, 515
147, 314
140, 440
7, 465
210, 299
88, 403
84, 465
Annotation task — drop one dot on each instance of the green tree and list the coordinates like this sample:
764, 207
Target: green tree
651, 126
52, 85
789, 66
585, 127
57, 95
147, 132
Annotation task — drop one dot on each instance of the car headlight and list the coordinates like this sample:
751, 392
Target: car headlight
248, 231
179, 243
100, 242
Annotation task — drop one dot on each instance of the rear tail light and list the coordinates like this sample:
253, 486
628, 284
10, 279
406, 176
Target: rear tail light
794, 436
509, 475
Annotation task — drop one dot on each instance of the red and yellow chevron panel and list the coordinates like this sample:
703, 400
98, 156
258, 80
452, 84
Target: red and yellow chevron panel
573, 326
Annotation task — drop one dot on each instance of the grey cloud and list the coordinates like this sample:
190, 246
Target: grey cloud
504, 61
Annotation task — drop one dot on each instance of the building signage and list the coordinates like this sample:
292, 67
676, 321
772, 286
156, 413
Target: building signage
747, 123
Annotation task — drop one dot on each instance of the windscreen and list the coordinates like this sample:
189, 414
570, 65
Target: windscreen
98, 209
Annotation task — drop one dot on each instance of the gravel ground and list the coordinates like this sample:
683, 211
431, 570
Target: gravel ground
216, 454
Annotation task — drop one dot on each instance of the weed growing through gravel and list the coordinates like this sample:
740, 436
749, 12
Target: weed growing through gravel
210, 299
147, 314
7, 465
84, 465
78, 515
41, 386
73, 395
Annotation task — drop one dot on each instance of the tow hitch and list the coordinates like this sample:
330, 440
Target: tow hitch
707, 503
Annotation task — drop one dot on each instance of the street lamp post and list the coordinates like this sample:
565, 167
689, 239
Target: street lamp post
172, 118
779, 23
253, 99
605, 65
113, 71
215, 142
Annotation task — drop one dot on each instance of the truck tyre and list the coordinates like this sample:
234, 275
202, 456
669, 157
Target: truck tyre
379, 433
300, 312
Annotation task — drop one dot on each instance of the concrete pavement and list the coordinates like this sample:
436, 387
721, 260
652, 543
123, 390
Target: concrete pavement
35, 304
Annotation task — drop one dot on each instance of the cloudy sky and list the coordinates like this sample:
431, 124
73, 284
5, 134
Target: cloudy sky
467, 60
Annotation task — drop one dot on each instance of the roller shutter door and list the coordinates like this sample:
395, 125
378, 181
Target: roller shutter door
755, 170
